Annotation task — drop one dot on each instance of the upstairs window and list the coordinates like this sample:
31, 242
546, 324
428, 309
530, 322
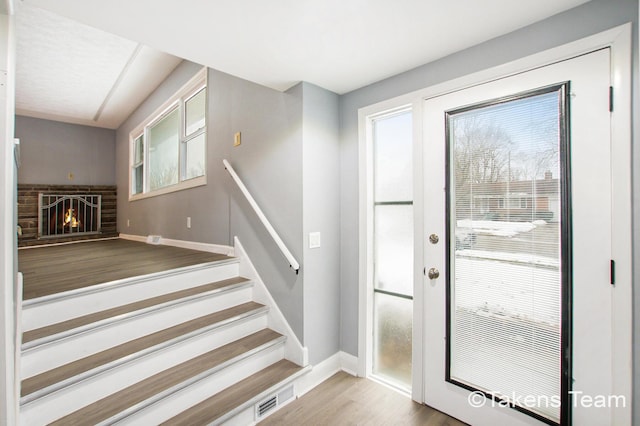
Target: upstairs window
168, 150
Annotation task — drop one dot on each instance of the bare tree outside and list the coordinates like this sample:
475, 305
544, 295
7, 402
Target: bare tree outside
487, 152
480, 156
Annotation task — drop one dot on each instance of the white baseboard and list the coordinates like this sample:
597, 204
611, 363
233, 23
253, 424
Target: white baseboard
211, 248
340, 361
349, 363
66, 243
131, 237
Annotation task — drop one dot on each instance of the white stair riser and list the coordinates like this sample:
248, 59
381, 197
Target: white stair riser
204, 389
63, 351
45, 312
65, 401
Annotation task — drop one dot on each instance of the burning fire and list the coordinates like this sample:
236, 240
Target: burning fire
70, 219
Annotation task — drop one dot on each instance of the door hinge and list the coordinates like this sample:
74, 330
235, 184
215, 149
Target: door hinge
610, 98
612, 272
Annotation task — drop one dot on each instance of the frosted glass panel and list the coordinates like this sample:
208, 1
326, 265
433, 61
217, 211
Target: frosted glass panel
505, 319
195, 156
393, 248
195, 112
164, 138
393, 158
392, 341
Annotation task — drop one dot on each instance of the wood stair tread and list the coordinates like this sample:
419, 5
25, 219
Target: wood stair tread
83, 365
73, 323
113, 404
223, 402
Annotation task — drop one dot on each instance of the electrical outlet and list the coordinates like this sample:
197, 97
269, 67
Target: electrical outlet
128, 223
189, 222
237, 139
70, 176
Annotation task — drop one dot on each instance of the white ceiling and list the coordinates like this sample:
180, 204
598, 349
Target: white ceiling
340, 45
70, 72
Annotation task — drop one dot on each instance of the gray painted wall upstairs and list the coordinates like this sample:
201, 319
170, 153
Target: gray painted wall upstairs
268, 160
50, 150
270, 163
580, 22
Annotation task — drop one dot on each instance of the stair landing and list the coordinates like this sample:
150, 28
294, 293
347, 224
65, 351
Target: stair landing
49, 270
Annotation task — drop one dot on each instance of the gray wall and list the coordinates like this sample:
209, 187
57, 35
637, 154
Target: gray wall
290, 147
269, 161
585, 20
50, 150
321, 213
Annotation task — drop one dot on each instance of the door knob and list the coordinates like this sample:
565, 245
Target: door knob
433, 273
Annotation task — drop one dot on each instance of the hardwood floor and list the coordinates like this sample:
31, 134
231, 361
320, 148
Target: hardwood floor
53, 269
347, 400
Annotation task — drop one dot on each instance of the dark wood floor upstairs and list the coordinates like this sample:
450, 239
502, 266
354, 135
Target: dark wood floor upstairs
54, 269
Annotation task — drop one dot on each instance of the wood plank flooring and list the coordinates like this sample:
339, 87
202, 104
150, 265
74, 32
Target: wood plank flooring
53, 269
347, 400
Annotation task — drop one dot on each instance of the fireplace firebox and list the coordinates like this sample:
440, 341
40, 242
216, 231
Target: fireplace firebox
61, 215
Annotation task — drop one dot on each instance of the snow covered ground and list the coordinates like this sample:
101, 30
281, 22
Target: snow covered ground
522, 258
500, 280
497, 228
517, 290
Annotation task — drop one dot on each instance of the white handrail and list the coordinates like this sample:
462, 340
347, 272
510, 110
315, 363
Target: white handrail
285, 251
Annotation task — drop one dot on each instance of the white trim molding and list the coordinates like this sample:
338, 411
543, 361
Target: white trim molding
294, 350
340, 361
192, 245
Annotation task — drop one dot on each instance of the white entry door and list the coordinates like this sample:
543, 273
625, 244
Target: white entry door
518, 305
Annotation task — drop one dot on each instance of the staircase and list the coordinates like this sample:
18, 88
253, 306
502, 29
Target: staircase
188, 347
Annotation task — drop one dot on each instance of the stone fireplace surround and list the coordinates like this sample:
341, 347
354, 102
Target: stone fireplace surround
28, 211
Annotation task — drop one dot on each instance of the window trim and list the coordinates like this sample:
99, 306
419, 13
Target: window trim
178, 100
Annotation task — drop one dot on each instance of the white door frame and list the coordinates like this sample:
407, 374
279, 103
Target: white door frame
618, 39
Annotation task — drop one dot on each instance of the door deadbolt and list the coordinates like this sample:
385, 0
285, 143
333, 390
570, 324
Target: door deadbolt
433, 239
433, 273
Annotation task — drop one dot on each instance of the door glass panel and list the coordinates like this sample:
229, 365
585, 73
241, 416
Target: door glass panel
393, 248
506, 249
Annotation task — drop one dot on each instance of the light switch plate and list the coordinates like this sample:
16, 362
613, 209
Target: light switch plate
314, 239
237, 139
